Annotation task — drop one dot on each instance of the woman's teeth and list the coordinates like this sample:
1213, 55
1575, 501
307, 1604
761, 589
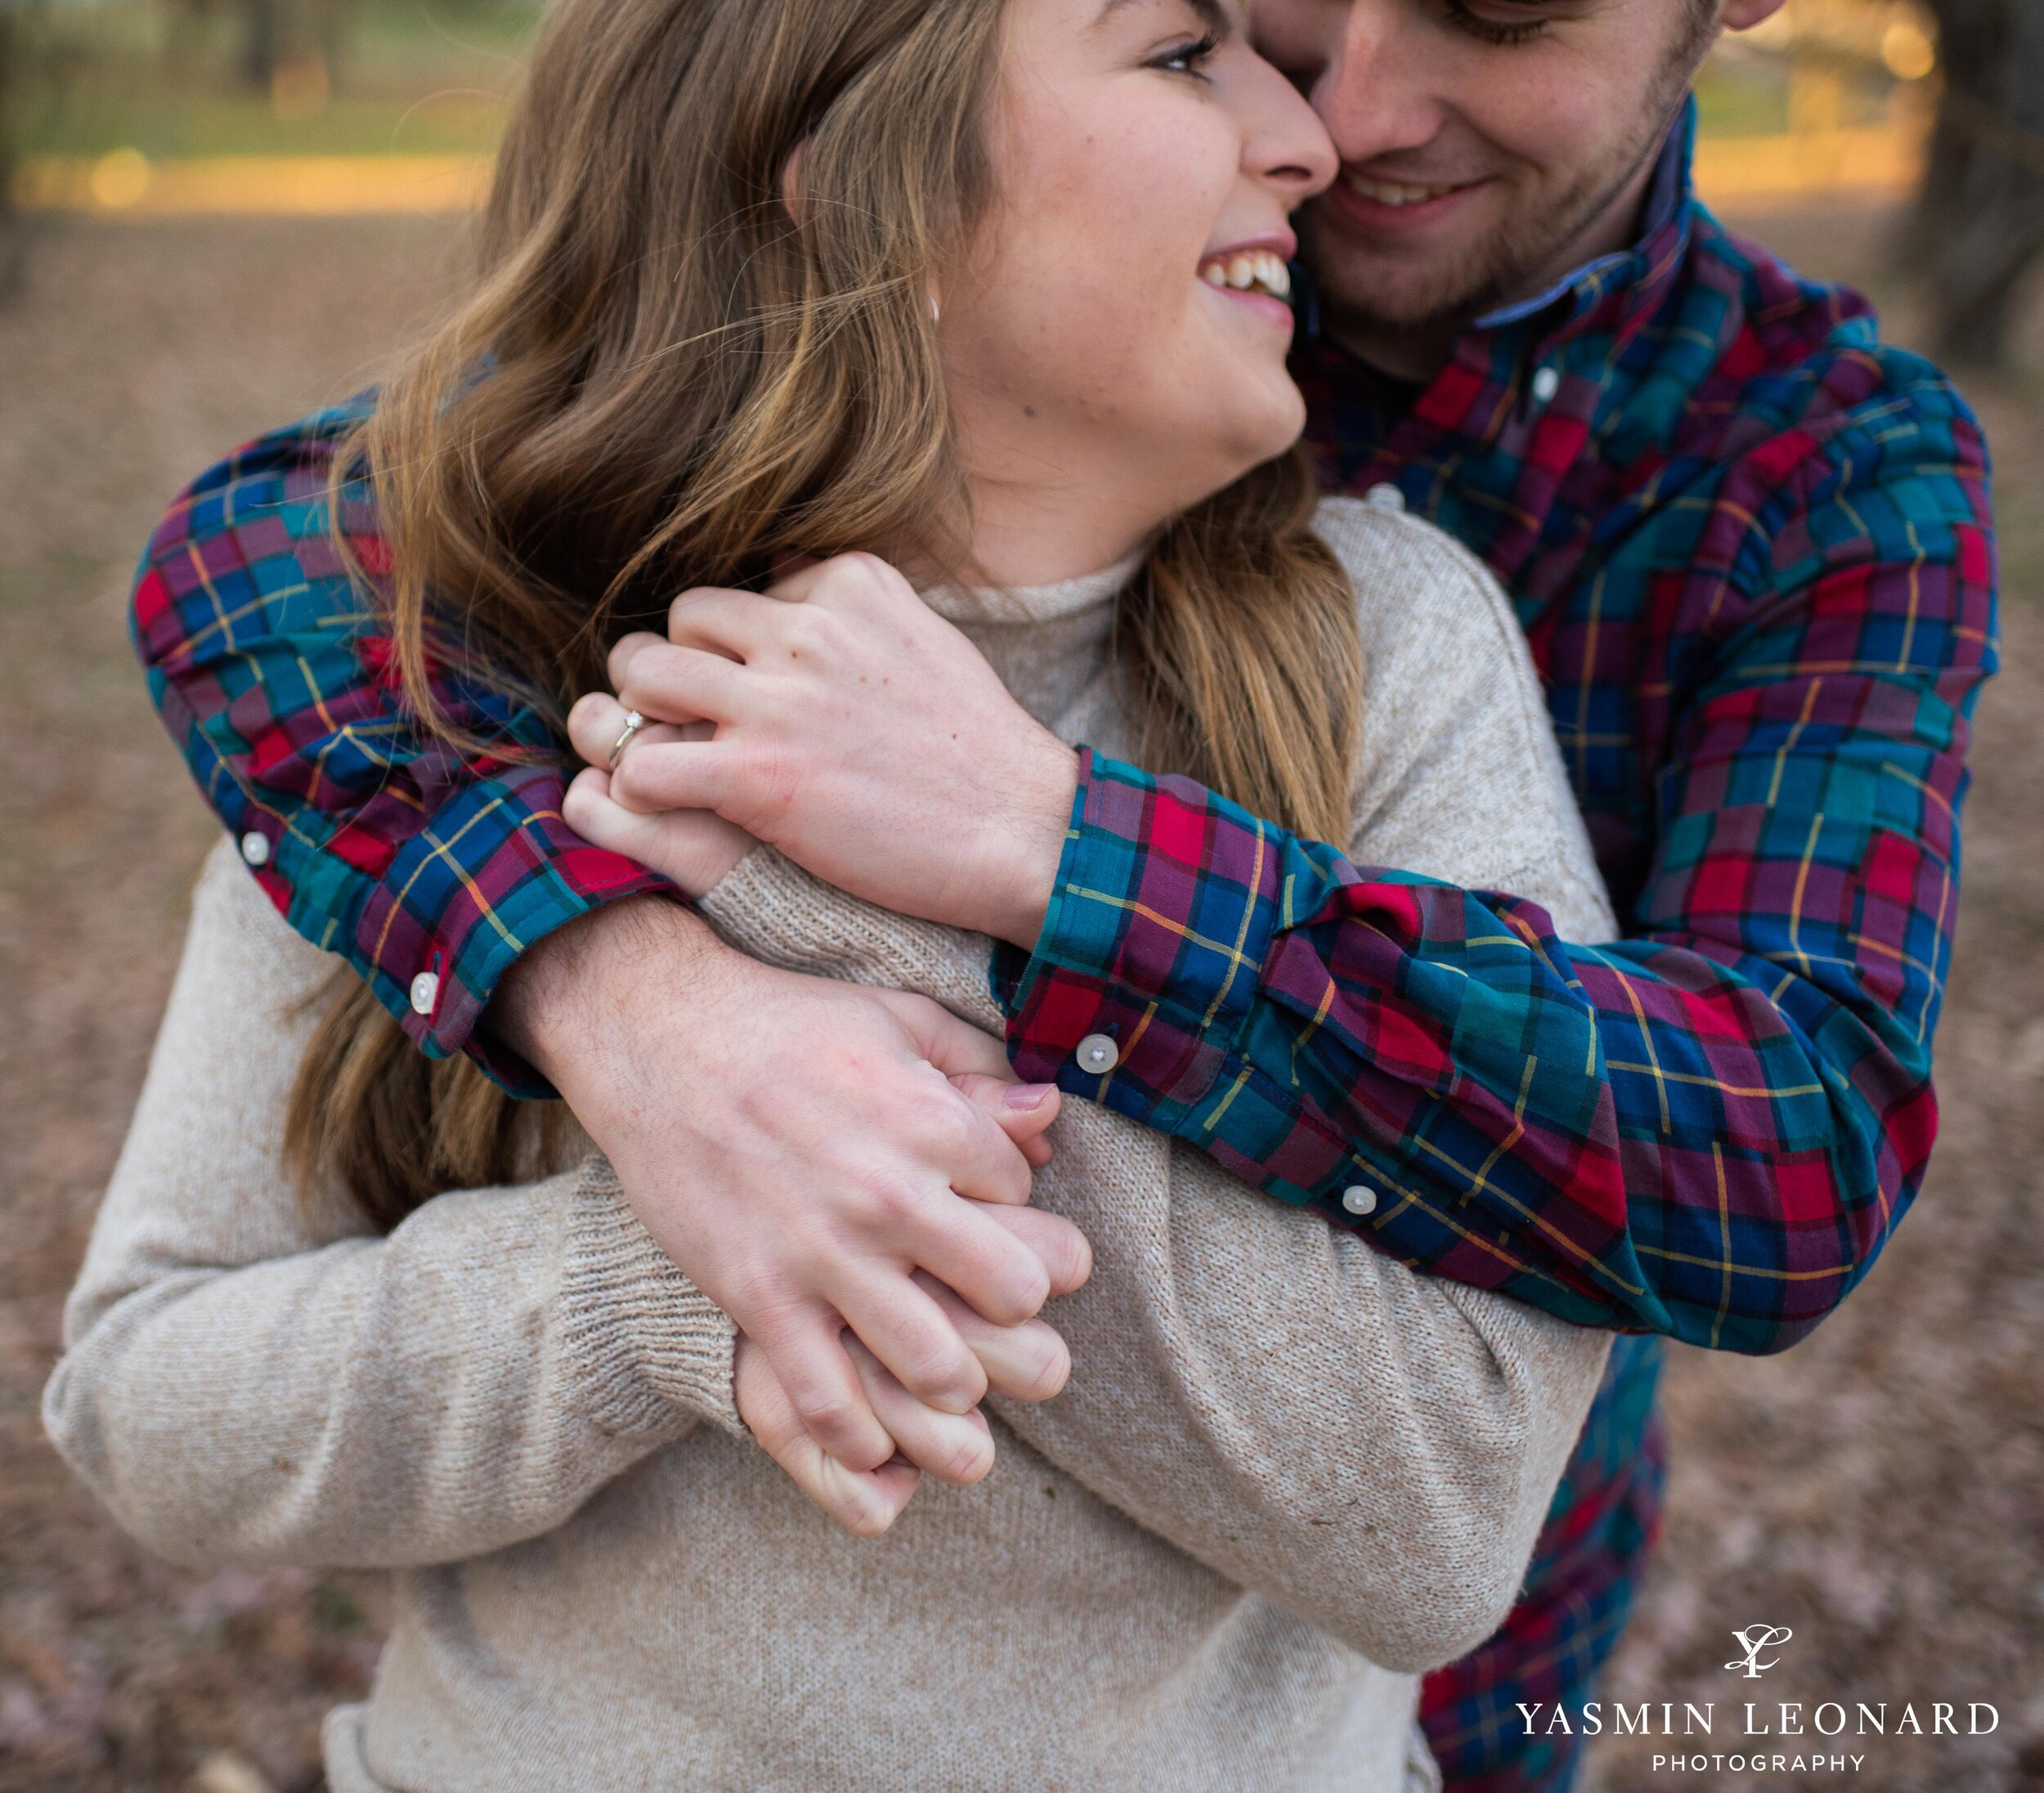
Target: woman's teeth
1249, 271
1394, 192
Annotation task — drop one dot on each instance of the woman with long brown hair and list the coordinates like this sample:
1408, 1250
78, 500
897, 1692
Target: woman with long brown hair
989, 291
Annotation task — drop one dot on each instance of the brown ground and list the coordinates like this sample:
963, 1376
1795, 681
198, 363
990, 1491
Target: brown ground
1880, 1489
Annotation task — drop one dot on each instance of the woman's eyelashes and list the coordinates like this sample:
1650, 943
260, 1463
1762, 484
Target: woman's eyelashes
1190, 58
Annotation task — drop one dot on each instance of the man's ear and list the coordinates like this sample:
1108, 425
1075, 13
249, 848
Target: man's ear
791, 178
1743, 15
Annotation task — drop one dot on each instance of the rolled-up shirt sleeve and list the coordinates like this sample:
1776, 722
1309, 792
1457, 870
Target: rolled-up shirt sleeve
1707, 1128
429, 870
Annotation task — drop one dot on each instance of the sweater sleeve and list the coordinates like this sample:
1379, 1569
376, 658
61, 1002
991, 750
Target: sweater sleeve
243, 1382
1371, 1447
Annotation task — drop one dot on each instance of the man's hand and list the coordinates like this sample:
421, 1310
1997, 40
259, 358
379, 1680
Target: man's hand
857, 731
801, 1147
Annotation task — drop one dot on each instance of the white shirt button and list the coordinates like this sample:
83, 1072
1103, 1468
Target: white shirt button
1097, 1054
255, 848
425, 993
1385, 497
1546, 383
1360, 1199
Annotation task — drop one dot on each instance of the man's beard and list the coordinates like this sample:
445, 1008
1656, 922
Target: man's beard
1503, 267
1455, 293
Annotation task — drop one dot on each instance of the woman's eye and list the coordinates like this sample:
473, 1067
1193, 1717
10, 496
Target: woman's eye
1188, 58
1465, 18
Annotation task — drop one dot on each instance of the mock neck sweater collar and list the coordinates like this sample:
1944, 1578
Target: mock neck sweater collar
1021, 604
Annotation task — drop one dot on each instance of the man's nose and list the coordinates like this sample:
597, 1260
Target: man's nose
1381, 90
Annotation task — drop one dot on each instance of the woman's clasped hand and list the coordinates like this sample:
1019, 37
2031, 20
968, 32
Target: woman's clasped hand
837, 718
877, 1305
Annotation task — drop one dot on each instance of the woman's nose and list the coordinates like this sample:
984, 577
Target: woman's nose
1286, 146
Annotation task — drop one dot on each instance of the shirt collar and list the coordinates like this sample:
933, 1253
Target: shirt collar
1667, 195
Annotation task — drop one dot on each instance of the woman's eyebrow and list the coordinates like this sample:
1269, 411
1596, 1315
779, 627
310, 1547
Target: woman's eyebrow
1211, 12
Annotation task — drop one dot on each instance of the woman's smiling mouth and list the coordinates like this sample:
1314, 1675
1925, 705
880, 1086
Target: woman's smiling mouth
1259, 270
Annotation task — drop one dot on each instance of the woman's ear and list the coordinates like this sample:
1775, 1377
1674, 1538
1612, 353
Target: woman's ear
791, 181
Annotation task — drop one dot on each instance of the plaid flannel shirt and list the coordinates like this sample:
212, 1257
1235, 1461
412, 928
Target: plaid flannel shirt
1751, 548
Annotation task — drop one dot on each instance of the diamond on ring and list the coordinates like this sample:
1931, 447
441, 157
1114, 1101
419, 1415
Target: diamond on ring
634, 722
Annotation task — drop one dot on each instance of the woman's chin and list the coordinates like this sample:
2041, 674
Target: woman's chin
1261, 427
1245, 409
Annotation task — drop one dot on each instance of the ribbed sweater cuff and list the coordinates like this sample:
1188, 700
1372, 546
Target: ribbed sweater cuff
655, 1348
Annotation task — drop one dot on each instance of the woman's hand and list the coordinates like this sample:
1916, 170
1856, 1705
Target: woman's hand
857, 731
866, 1502
1027, 1362
696, 848
800, 1148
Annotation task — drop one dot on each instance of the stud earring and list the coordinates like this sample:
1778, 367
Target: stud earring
936, 317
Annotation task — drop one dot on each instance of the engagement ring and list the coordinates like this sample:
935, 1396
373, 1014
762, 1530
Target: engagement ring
634, 722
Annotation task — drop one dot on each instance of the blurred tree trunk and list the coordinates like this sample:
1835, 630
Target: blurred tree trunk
281, 35
262, 39
271, 37
1979, 220
11, 228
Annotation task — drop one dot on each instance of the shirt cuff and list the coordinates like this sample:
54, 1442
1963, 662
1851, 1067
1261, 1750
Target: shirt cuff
1167, 899
465, 898
655, 1350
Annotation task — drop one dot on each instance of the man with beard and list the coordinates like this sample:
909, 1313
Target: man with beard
1751, 548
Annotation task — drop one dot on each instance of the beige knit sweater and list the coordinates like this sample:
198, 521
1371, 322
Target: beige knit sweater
1286, 1475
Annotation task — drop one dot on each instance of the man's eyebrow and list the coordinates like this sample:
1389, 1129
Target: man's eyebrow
1210, 13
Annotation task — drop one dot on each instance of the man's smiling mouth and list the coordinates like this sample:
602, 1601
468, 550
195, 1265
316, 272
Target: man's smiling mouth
1397, 193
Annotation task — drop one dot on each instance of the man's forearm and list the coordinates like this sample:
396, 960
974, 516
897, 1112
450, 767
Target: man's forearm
431, 874
1655, 1137
579, 988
